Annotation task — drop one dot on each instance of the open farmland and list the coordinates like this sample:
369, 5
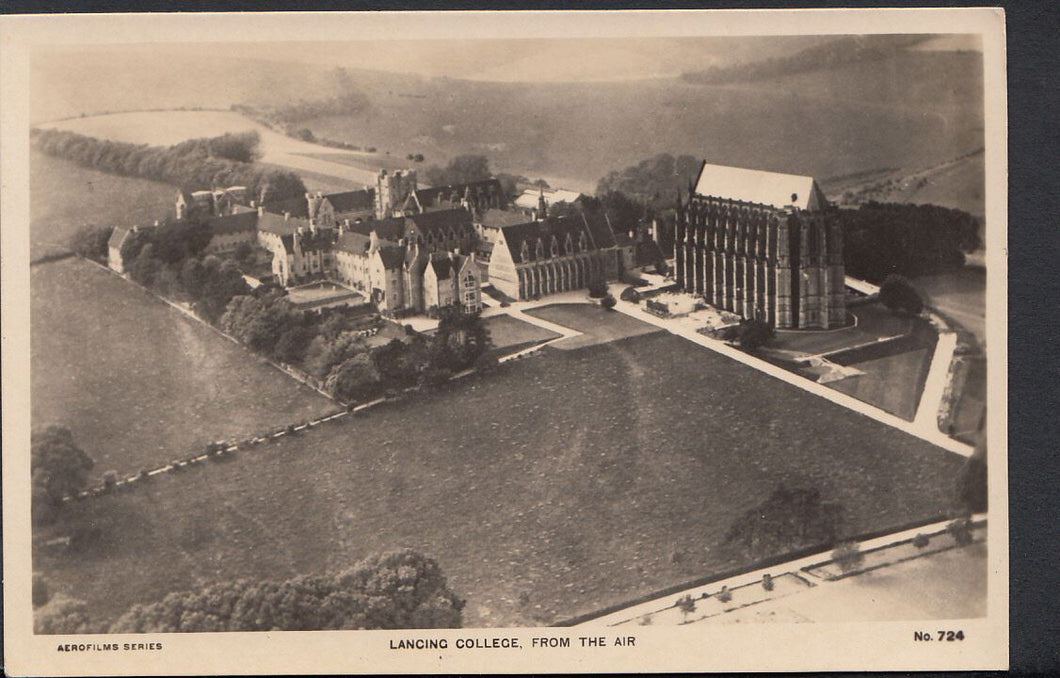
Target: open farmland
556, 486
65, 196
138, 383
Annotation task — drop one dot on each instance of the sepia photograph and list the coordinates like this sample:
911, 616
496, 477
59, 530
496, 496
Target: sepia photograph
520, 339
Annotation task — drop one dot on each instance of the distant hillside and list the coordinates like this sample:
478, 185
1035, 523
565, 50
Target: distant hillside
956, 183
913, 109
840, 52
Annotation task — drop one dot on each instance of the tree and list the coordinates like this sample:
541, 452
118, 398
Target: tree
463, 169
59, 468
898, 294
754, 334
90, 242
630, 294
63, 615
848, 556
353, 380
399, 590
788, 519
607, 303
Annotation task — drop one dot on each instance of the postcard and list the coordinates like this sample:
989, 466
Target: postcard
456, 342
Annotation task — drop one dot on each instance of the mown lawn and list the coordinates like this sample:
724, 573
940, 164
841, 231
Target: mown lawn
508, 334
554, 487
138, 383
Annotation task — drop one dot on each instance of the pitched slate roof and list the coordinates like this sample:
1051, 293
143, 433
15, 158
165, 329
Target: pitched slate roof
233, 223
276, 223
432, 195
757, 186
355, 243
352, 201
393, 257
392, 228
495, 218
594, 227
458, 219
442, 266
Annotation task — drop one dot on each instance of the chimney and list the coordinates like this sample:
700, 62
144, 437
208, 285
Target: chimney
286, 216
261, 210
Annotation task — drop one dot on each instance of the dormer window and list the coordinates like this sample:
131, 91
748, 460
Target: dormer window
568, 245
583, 243
539, 251
554, 247
524, 252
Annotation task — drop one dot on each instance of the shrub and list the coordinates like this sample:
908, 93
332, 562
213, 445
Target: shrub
110, 479
848, 556
767, 582
608, 302
177, 465
961, 531
724, 595
686, 604
630, 294
143, 475
921, 540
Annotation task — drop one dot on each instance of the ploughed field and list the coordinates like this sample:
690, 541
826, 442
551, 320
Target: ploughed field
556, 486
138, 383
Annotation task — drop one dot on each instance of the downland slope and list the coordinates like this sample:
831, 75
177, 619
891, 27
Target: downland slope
909, 110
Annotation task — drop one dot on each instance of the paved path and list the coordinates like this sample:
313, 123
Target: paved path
686, 330
927, 412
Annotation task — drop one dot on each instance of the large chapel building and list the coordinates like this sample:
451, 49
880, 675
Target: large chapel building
764, 245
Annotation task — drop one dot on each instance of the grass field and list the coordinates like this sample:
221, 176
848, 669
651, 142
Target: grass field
508, 334
65, 196
893, 383
556, 486
138, 383
598, 325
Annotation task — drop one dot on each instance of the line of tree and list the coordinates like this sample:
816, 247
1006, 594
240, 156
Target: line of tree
881, 239
196, 164
170, 260
397, 590
840, 52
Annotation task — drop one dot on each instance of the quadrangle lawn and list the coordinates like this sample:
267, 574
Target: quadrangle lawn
556, 486
138, 383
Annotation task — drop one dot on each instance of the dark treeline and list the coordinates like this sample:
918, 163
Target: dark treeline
196, 164
881, 239
170, 260
398, 590
463, 169
841, 52
327, 345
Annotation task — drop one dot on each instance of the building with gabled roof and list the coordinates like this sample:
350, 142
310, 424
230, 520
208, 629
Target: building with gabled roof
117, 245
554, 254
765, 245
